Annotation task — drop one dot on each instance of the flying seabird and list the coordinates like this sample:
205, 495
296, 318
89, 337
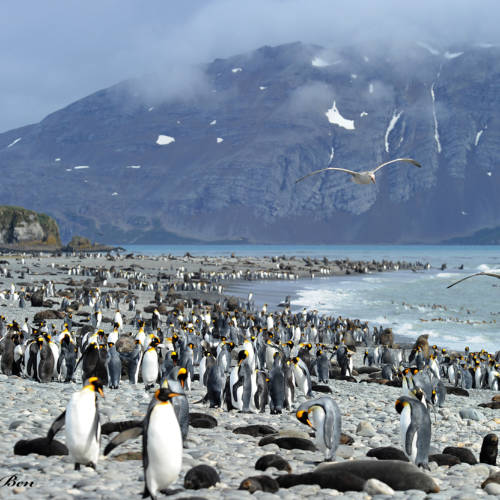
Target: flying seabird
365, 177
493, 275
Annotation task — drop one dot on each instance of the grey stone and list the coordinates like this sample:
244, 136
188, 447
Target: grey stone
365, 429
376, 487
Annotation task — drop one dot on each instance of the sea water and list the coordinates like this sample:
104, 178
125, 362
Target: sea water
411, 303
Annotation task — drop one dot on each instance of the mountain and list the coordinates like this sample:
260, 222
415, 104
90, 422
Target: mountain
220, 163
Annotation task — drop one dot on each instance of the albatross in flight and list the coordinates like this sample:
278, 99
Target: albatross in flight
493, 275
365, 177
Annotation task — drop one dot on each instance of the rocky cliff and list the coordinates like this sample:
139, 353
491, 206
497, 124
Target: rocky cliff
22, 227
221, 164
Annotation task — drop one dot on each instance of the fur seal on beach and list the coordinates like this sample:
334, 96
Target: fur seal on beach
266, 461
40, 446
489, 450
464, 454
201, 476
398, 475
387, 453
202, 421
288, 443
259, 483
255, 430
341, 481
444, 459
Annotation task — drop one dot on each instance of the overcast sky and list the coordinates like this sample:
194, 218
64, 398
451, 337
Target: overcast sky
54, 52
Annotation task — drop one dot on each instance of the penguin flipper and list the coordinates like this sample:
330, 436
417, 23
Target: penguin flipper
410, 434
110, 427
236, 386
56, 426
131, 433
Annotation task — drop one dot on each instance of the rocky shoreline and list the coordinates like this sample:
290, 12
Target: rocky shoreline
367, 409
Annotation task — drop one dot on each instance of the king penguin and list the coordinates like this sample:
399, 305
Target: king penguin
149, 365
415, 425
161, 443
83, 428
323, 415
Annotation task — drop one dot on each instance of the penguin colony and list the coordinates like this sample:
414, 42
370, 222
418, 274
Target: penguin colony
250, 360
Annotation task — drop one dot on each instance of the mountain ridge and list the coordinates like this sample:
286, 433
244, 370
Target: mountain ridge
106, 165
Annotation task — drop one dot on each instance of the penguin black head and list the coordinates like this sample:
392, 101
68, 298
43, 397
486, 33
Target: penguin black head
164, 395
94, 384
242, 355
174, 356
182, 376
303, 416
400, 405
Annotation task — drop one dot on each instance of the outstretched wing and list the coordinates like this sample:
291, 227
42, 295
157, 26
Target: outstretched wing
122, 437
493, 275
56, 426
408, 160
324, 170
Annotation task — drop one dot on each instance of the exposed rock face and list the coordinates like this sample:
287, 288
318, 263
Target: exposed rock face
21, 226
222, 164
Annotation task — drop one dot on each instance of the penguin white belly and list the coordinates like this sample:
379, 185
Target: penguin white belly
270, 357
81, 438
113, 337
451, 374
404, 422
318, 421
55, 353
233, 378
149, 367
38, 360
164, 448
253, 391
203, 367
300, 380
63, 371
413, 456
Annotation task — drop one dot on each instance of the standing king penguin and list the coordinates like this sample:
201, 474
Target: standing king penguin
83, 428
161, 443
415, 425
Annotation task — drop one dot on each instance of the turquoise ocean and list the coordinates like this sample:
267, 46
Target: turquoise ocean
412, 303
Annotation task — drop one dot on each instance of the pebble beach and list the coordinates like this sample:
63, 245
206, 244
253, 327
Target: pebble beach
367, 409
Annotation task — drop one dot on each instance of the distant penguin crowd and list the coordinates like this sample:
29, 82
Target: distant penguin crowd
249, 359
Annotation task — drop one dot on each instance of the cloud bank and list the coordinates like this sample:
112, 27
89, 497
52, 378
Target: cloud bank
57, 51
